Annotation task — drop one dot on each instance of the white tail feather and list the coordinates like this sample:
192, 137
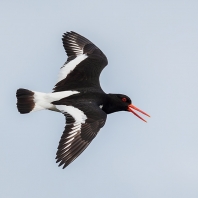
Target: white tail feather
44, 100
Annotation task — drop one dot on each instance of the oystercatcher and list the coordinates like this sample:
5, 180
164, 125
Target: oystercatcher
79, 96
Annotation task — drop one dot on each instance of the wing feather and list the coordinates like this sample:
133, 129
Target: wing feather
79, 131
83, 66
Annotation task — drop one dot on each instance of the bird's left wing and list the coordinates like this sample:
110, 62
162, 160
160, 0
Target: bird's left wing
82, 125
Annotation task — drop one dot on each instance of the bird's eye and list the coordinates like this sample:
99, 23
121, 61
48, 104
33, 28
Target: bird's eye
124, 99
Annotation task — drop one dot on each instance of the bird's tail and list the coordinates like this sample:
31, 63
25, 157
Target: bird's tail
25, 100
29, 101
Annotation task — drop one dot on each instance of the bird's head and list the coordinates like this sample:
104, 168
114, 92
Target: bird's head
120, 102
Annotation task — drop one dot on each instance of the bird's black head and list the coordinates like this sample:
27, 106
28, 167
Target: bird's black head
117, 102
120, 102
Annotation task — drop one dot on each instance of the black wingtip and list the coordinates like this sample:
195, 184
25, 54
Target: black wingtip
69, 33
65, 166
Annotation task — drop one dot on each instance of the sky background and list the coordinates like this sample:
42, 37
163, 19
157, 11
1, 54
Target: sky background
152, 49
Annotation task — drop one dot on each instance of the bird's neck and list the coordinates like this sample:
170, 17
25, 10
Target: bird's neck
109, 106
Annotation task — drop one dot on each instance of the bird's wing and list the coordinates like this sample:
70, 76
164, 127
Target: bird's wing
84, 64
82, 125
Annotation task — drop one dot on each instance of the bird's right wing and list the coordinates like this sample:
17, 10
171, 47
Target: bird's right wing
84, 64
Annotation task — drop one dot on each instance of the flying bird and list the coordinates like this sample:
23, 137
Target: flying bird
78, 96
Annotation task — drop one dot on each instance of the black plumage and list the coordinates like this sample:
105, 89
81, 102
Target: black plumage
86, 74
79, 96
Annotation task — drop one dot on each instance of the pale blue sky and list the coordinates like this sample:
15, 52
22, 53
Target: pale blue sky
152, 50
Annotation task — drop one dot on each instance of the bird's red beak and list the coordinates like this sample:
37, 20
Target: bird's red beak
131, 108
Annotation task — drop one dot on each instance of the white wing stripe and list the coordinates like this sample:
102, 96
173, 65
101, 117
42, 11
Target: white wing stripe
74, 130
77, 123
67, 68
76, 113
70, 140
65, 147
79, 118
72, 135
75, 127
